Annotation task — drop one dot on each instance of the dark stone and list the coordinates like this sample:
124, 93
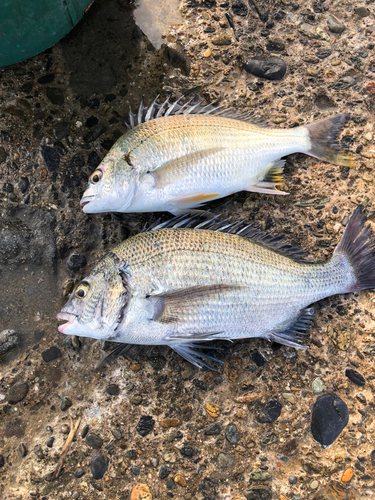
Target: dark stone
209, 29
372, 457
322, 54
344, 82
334, 24
361, 11
258, 359
66, 403
110, 97
50, 442
77, 161
107, 143
8, 187
80, 473
84, 432
27, 87
268, 67
187, 451
60, 148
38, 451
258, 493
178, 58
2, 461
292, 480
213, 429
157, 362
76, 262
209, 488
94, 103
17, 393
94, 441
93, 160
51, 354
275, 45
99, 465
199, 384
231, 433
91, 121
46, 78
113, 390
61, 130
135, 470
3, 155
22, 450
329, 417
164, 471
239, 8
171, 485
51, 158
23, 184
271, 411
145, 425
55, 95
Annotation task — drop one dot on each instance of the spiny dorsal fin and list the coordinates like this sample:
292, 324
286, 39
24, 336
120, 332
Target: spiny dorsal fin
192, 107
199, 221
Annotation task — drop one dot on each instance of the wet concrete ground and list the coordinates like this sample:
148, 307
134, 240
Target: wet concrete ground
60, 112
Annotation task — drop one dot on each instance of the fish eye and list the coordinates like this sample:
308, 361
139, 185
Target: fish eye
96, 176
81, 290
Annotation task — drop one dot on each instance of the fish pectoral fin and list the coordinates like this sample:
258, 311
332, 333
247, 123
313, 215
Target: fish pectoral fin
174, 306
272, 179
176, 170
185, 202
295, 333
199, 359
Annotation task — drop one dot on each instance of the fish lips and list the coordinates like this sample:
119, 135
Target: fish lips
70, 318
85, 201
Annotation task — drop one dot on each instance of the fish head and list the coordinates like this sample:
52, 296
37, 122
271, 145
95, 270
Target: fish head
112, 185
98, 304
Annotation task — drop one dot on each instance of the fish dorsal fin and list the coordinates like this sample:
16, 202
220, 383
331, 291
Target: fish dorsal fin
276, 243
192, 107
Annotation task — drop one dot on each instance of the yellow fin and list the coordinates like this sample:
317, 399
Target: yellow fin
195, 198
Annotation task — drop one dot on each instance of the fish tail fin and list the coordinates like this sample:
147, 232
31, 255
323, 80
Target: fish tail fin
357, 247
323, 138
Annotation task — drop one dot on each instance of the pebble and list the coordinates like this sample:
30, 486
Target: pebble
340, 338
275, 45
344, 83
22, 450
187, 451
38, 451
51, 158
99, 465
258, 493
207, 53
51, 354
314, 484
317, 386
2, 461
322, 54
136, 399
231, 434
169, 422
225, 461
179, 479
271, 411
260, 476
361, 11
355, 377
329, 417
239, 8
84, 432
8, 340
334, 24
76, 261
268, 67
55, 95
213, 410
288, 396
61, 130
94, 441
164, 471
368, 136
113, 390
292, 480
258, 359
171, 485
50, 442
347, 475
169, 457
135, 470
221, 40
17, 393
141, 492
116, 434
65, 428
23, 184
213, 429
145, 425
66, 403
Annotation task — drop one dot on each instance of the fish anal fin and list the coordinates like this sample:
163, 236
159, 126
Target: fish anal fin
273, 178
259, 188
173, 306
176, 170
295, 333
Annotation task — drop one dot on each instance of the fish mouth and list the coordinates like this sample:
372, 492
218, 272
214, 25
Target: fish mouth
86, 200
68, 317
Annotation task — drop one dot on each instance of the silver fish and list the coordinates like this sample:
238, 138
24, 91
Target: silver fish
177, 157
187, 281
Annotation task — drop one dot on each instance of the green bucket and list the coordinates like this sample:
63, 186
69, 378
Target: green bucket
28, 27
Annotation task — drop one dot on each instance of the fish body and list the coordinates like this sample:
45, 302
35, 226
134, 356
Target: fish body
179, 286
176, 162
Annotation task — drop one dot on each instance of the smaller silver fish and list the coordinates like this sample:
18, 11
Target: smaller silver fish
187, 281
176, 158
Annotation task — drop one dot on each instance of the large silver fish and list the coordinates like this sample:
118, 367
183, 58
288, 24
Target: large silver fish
181, 285
178, 157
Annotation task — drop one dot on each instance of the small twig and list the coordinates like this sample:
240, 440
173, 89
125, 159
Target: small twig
68, 442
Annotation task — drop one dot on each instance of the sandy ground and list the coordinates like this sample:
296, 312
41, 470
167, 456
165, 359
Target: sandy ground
59, 114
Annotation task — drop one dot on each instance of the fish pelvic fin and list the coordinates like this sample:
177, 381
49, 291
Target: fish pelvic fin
294, 334
323, 138
357, 246
199, 359
272, 179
